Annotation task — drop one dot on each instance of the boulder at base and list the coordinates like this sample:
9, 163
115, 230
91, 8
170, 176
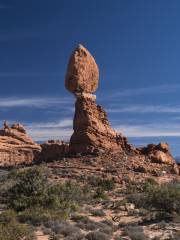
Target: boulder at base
53, 150
158, 153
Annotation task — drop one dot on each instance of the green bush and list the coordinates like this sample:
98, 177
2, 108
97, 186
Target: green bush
164, 198
29, 190
11, 229
136, 233
97, 235
105, 184
100, 194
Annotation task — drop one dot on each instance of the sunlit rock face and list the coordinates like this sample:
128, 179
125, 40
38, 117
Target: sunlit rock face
92, 131
82, 72
16, 147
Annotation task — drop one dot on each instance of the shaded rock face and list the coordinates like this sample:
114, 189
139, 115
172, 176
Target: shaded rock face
53, 150
92, 131
16, 147
158, 153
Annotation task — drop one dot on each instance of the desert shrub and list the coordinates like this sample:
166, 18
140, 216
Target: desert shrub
11, 229
135, 186
100, 194
98, 212
65, 229
105, 184
3, 175
37, 216
136, 233
119, 203
79, 218
29, 190
71, 192
149, 184
97, 235
86, 224
33, 190
164, 198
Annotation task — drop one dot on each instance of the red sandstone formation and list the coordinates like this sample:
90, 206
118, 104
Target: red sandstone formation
16, 147
158, 153
53, 150
92, 131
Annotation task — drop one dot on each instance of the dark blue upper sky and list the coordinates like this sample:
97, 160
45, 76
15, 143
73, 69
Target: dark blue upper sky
135, 43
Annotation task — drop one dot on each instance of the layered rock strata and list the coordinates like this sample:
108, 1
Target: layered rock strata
16, 147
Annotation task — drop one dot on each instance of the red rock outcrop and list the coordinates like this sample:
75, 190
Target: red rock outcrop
53, 150
16, 147
92, 131
158, 153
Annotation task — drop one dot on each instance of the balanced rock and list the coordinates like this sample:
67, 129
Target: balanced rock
16, 147
82, 72
92, 131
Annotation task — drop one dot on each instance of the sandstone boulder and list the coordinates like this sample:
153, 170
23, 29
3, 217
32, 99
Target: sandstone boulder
16, 147
159, 153
82, 72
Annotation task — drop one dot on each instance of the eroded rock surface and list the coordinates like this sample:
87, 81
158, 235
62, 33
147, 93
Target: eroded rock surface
53, 150
16, 147
159, 153
92, 131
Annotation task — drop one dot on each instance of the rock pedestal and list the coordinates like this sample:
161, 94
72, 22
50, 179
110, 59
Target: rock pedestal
92, 131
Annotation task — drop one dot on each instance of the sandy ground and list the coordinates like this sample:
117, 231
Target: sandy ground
40, 235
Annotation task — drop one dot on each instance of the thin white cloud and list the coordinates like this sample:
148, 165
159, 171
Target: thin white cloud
144, 109
149, 130
64, 123
35, 102
61, 129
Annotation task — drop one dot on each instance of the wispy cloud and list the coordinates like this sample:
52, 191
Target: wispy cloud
64, 123
41, 102
144, 109
61, 129
149, 130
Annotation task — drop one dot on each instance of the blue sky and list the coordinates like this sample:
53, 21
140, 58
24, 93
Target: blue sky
135, 43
